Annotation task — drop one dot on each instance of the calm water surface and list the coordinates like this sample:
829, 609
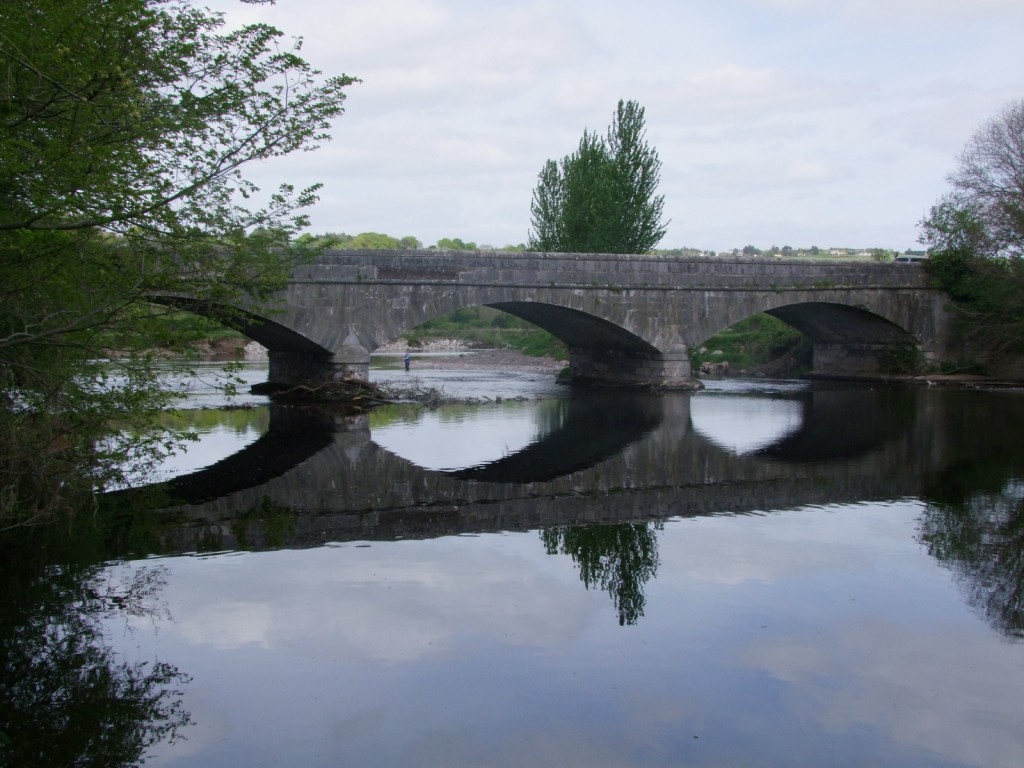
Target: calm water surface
763, 573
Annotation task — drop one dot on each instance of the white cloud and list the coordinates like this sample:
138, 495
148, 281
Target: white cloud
326, 603
912, 11
228, 625
794, 121
917, 688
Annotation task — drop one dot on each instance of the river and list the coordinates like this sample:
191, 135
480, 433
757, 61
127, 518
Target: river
761, 573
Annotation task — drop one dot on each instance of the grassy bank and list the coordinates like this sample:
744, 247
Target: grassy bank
759, 344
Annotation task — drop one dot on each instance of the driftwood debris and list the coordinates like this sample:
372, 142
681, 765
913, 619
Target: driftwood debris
354, 393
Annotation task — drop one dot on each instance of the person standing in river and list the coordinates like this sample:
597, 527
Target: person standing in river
408, 359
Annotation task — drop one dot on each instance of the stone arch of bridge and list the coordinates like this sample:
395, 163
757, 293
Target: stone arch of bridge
293, 356
846, 338
823, 322
600, 351
610, 341
603, 347
830, 323
578, 330
272, 334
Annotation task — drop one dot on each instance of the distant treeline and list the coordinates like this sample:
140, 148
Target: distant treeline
379, 241
788, 252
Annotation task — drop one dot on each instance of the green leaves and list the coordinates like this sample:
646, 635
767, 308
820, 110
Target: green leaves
601, 199
125, 129
976, 236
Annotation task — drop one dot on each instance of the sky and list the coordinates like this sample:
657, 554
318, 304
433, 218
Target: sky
778, 122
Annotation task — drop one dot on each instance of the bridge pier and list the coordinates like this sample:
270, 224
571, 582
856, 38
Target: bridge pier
865, 359
631, 370
289, 368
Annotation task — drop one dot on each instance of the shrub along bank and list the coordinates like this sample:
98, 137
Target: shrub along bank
761, 345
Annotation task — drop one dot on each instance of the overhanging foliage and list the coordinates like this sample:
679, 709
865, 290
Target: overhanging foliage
125, 126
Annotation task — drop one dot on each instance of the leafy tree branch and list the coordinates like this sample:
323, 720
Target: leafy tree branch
126, 127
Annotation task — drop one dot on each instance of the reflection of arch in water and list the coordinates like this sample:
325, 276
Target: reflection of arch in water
800, 428
882, 414
594, 428
293, 436
456, 435
353, 490
579, 432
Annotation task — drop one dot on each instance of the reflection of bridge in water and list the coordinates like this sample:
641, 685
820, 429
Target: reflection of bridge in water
614, 459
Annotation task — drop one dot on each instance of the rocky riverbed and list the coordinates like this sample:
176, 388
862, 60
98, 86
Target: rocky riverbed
452, 353
492, 359
443, 353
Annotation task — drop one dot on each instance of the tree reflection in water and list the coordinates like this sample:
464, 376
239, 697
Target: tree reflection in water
620, 559
980, 537
66, 698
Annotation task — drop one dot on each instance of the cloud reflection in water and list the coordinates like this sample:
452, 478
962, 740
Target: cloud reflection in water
744, 425
458, 436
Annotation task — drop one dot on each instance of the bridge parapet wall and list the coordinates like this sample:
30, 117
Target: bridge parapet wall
588, 270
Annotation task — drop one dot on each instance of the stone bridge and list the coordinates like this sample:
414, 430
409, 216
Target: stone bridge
626, 320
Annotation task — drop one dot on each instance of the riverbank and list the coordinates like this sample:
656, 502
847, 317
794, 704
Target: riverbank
442, 354
453, 354
491, 359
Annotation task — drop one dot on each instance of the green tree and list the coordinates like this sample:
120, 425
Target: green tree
364, 240
324, 241
601, 199
373, 241
455, 244
124, 129
975, 236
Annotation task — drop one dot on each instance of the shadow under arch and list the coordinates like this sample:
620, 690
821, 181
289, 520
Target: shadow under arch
274, 336
578, 330
601, 353
829, 323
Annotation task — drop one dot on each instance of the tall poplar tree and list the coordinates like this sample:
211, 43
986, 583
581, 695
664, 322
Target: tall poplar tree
601, 198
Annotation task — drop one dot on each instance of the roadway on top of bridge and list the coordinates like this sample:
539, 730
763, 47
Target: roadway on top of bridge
484, 268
